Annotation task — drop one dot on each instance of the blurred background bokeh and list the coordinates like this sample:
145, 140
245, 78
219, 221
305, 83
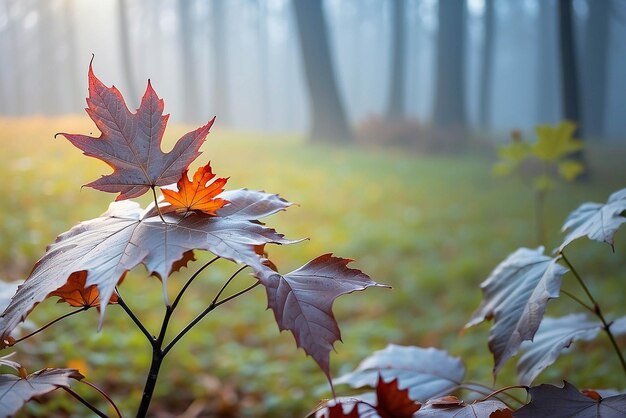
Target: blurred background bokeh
380, 118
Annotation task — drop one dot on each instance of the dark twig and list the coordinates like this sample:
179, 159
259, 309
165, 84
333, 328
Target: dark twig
136, 320
67, 315
101, 392
191, 279
84, 402
597, 311
214, 304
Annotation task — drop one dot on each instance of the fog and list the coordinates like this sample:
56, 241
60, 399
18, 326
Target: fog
243, 61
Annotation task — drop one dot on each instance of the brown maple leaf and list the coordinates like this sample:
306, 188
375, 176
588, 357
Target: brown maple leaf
76, 294
197, 194
131, 142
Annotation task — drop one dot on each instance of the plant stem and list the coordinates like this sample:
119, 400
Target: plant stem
91, 385
67, 315
158, 352
84, 402
597, 311
153, 374
136, 320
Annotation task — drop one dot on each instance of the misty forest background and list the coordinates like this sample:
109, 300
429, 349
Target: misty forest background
380, 118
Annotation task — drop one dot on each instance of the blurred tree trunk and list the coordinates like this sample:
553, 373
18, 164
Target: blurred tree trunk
396, 106
188, 64
13, 35
548, 90
450, 68
219, 56
266, 103
569, 71
484, 106
48, 74
595, 67
127, 63
72, 56
328, 116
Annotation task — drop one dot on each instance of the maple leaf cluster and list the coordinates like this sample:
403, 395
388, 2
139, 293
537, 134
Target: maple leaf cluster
85, 264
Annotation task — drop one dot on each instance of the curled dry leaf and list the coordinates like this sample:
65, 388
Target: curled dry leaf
197, 194
131, 142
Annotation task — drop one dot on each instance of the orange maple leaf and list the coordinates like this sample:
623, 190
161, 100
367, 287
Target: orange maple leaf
76, 294
197, 194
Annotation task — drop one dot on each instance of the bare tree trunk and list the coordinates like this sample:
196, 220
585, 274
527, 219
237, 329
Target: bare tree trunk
450, 87
187, 59
396, 106
569, 70
595, 67
125, 49
484, 106
328, 118
219, 58
548, 90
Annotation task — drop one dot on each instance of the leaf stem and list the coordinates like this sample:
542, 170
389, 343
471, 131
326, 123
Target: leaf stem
486, 390
214, 304
84, 402
103, 393
597, 311
503, 390
136, 320
156, 204
191, 279
67, 315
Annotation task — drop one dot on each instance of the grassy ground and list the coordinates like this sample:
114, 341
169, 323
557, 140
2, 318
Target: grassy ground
430, 226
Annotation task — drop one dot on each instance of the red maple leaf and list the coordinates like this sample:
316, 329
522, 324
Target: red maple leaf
393, 402
131, 142
197, 194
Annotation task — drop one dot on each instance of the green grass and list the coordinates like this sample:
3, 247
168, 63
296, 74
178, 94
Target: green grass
432, 227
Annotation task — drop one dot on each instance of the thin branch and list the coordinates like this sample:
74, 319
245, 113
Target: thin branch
209, 308
191, 279
107, 397
230, 279
136, 320
577, 299
597, 311
84, 402
241, 292
67, 315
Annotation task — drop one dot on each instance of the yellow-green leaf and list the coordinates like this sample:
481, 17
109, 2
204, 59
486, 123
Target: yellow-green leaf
555, 142
543, 183
570, 169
